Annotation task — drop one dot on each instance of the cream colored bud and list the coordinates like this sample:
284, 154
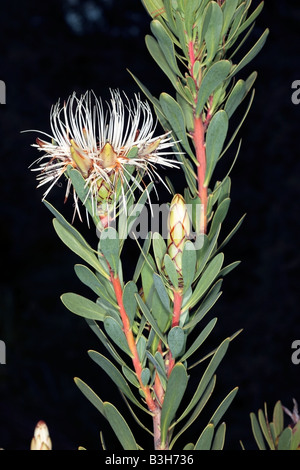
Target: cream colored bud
41, 439
179, 229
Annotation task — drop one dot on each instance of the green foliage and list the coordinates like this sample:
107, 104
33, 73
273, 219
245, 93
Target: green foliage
275, 435
141, 323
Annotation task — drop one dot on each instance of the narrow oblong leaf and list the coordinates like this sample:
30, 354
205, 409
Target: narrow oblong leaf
219, 438
188, 262
215, 75
235, 98
166, 44
278, 418
206, 280
258, 436
205, 439
223, 407
115, 376
146, 312
110, 246
176, 340
78, 245
158, 56
285, 439
82, 306
120, 427
206, 377
215, 138
90, 395
176, 387
171, 271
98, 286
200, 339
129, 300
116, 333
251, 54
162, 291
175, 116
214, 29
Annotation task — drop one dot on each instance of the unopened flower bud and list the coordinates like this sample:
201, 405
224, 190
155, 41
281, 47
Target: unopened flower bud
41, 439
179, 229
82, 161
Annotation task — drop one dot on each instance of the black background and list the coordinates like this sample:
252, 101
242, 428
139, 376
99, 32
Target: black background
45, 56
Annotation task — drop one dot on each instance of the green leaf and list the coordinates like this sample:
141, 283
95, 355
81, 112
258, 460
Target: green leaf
213, 32
205, 306
235, 98
200, 339
110, 246
215, 75
145, 376
147, 276
188, 263
198, 409
162, 291
223, 407
206, 279
251, 54
166, 44
160, 313
146, 312
129, 300
284, 441
257, 432
219, 439
219, 217
115, 376
82, 190
233, 231
228, 13
98, 286
155, 8
120, 427
206, 377
90, 394
159, 248
158, 56
176, 340
176, 387
215, 138
77, 244
116, 333
175, 116
105, 341
205, 439
266, 429
296, 436
83, 307
171, 270
278, 419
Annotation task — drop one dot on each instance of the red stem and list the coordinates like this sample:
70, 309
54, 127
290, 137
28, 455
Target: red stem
131, 341
199, 141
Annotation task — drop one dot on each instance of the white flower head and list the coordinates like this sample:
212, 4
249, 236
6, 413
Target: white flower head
113, 149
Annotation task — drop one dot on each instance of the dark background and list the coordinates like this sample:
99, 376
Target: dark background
48, 49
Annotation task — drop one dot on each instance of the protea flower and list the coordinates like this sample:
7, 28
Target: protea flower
41, 439
179, 230
112, 149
